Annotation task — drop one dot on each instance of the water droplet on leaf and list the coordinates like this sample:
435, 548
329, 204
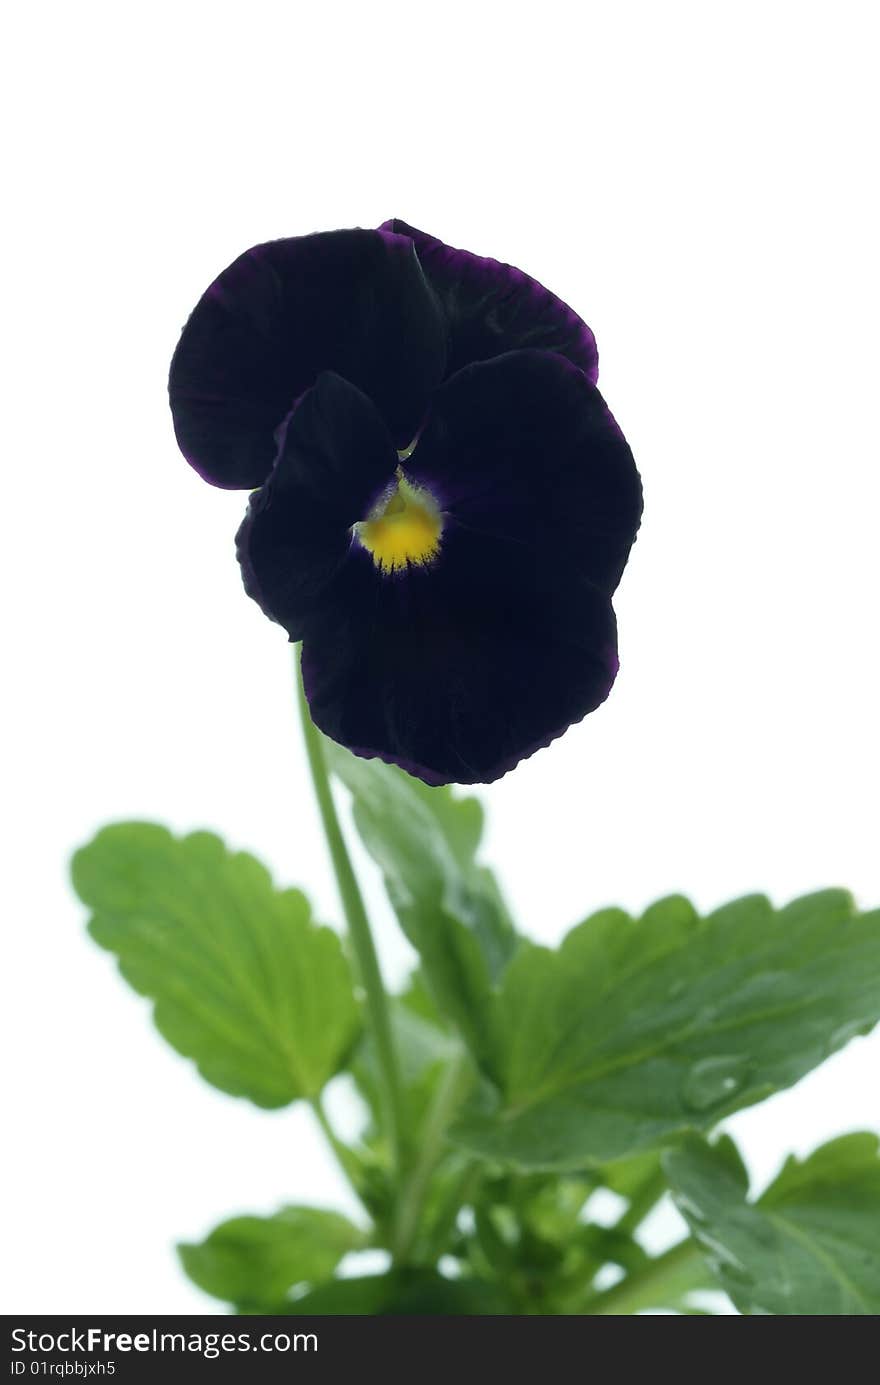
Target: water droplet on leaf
713, 1080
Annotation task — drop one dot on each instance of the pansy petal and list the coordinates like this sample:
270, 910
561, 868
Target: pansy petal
336, 457
459, 667
524, 449
355, 302
458, 671
491, 307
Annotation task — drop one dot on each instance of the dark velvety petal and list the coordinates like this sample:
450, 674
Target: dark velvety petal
336, 458
491, 307
458, 670
355, 302
524, 448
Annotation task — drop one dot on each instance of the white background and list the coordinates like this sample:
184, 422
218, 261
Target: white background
698, 181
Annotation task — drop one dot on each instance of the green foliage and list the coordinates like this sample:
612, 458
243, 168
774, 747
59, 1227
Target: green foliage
425, 1052
633, 1032
527, 1077
402, 1293
243, 980
256, 1262
425, 841
809, 1245
531, 1239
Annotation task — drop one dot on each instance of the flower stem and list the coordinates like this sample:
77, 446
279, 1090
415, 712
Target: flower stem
656, 1285
359, 933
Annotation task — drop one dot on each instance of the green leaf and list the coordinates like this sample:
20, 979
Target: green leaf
424, 841
530, 1235
256, 1261
417, 997
633, 1032
627, 1177
243, 981
550, 1206
403, 1293
809, 1246
424, 1051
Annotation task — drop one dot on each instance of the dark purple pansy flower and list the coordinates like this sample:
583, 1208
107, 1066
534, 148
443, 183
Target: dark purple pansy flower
445, 504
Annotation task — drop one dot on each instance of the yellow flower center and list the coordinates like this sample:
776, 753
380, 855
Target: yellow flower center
403, 529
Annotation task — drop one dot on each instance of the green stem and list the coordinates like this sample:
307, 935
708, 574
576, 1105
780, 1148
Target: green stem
346, 1160
446, 1101
361, 938
656, 1285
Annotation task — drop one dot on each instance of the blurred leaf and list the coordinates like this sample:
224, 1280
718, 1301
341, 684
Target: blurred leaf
552, 1207
256, 1261
243, 981
607, 1245
424, 1052
809, 1246
529, 1234
418, 999
633, 1032
404, 1292
627, 1177
725, 1148
424, 841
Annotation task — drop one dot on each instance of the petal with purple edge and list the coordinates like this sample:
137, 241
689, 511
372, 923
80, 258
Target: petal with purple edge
491, 307
524, 449
337, 456
355, 302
